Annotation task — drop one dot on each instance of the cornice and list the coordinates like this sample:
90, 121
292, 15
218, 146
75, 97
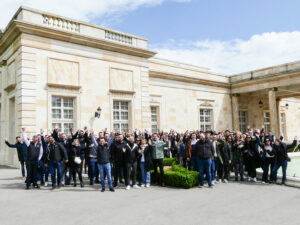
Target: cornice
18, 27
182, 78
63, 86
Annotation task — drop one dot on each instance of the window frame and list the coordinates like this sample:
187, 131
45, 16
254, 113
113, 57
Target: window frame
120, 121
205, 124
243, 124
62, 123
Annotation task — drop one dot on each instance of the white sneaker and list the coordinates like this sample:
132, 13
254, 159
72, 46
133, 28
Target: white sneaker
143, 185
147, 185
63, 183
213, 183
136, 186
225, 181
249, 179
46, 184
216, 182
128, 187
263, 182
254, 179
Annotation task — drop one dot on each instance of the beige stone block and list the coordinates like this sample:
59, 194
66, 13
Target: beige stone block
27, 114
63, 72
26, 99
121, 79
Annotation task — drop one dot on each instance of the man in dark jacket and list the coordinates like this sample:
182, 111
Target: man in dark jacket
205, 151
34, 154
22, 152
103, 156
55, 154
117, 151
131, 156
281, 158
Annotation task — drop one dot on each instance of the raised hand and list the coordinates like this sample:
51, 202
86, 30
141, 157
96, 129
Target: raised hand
5, 139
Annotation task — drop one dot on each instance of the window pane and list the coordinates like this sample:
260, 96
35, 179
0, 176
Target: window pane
153, 110
124, 126
153, 118
68, 102
56, 113
56, 102
124, 115
116, 116
116, 105
154, 128
68, 113
124, 105
66, 127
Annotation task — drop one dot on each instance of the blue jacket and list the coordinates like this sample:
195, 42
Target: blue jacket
21, 149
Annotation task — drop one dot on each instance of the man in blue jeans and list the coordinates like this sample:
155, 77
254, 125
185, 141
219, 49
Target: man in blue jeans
205, 151
55, 154
103, 157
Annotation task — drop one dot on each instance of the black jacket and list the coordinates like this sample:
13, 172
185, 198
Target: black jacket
281, 151
56, 152
117, 151
76, 151
204, 149
132, 152
226, 153
21, 149
33, 152
103, 154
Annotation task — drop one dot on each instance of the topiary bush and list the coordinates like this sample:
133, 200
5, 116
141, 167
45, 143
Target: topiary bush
169, 161
179, 176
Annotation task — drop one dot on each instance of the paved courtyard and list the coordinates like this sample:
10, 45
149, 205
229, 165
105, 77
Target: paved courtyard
233, 203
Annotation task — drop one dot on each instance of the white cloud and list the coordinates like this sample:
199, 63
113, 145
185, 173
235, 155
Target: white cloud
86, 10
231, 57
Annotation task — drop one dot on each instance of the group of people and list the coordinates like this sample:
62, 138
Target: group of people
129, 157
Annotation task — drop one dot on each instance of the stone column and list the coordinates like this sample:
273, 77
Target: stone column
235, 111
273, 111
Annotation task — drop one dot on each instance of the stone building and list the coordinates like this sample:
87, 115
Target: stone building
59, 71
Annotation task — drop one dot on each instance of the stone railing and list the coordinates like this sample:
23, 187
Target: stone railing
113, 36
64, 24
89, 30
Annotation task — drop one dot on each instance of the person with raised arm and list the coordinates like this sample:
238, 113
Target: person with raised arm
281, 158
22, 153
34, 154
157, 150
103, 157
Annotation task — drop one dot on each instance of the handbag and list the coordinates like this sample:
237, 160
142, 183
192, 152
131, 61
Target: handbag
77, 159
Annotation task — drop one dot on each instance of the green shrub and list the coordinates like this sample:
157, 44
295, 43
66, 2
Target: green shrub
169, 161
179, 176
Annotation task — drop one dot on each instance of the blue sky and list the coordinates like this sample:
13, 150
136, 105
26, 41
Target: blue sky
215, 19
227, 36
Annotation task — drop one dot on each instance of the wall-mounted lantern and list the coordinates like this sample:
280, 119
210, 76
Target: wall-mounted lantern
98, 112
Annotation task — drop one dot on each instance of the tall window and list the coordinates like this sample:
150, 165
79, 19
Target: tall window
154, 116
282, 123
267, 122
206, 119
243, 119
120, 116
62, 113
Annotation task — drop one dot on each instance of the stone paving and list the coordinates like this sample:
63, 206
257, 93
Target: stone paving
232, 203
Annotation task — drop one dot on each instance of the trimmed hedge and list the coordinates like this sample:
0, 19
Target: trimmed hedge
169, 161
179, 176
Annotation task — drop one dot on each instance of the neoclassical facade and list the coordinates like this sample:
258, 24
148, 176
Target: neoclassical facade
56, 71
